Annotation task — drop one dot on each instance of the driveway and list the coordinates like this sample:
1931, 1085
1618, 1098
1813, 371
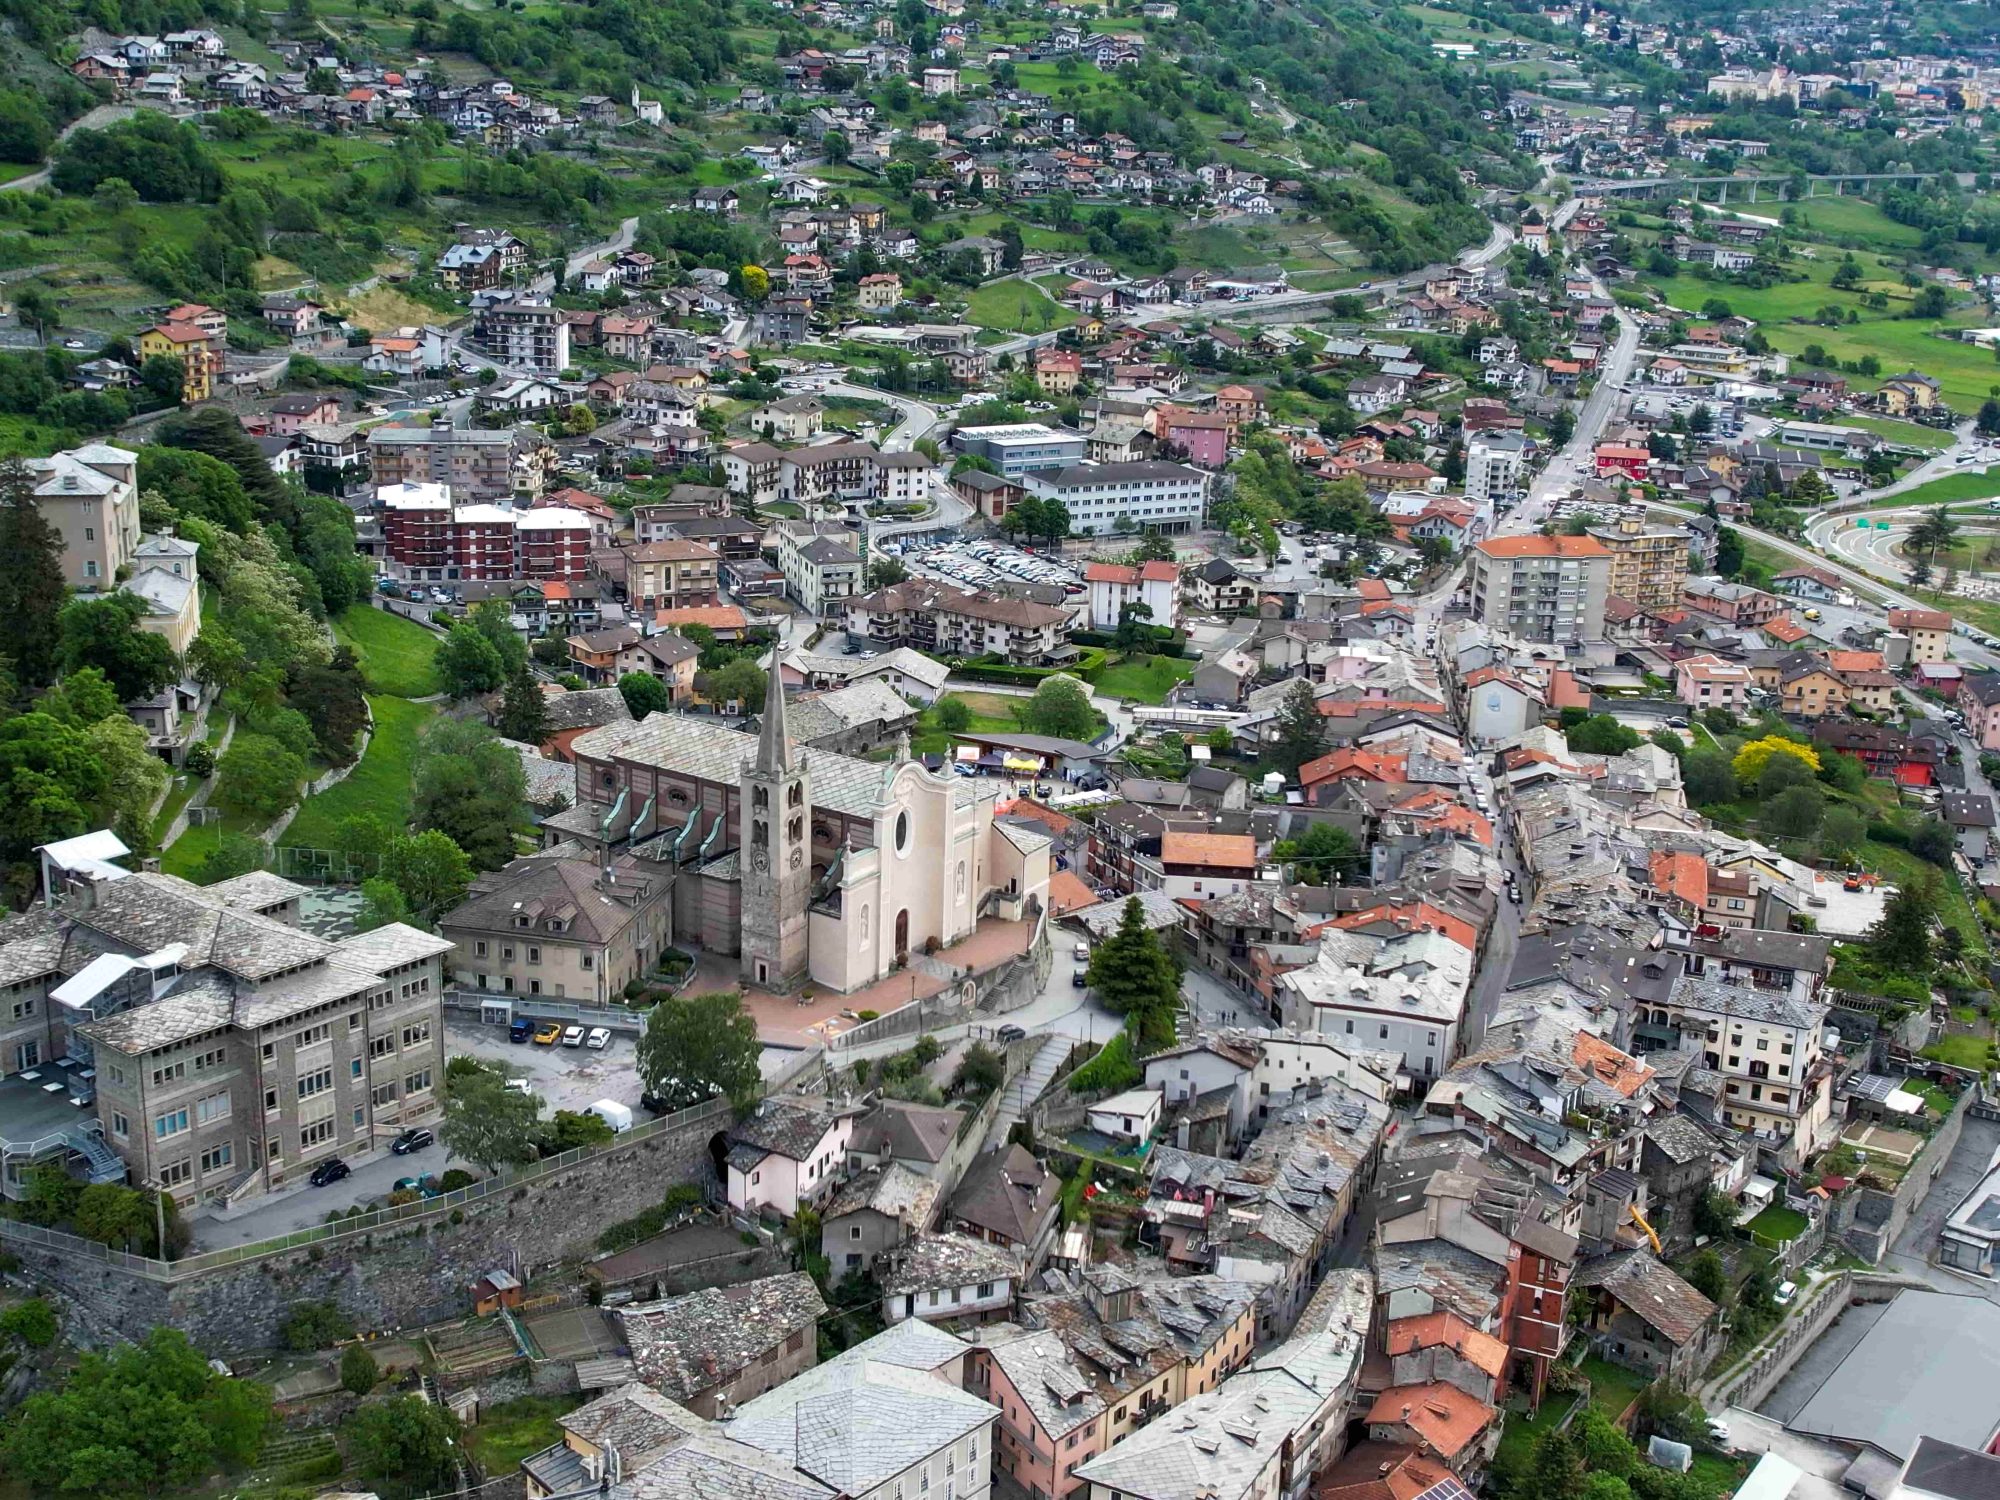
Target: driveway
1915, 1245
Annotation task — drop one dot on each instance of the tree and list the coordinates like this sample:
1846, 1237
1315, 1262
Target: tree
33, 1322
571, 1130
429, 870
756, 283
1557, 1470
1843, 772
1134, 636
1061, 707
257, 776
1988, 421
1601, 734
1301, 728
1135, 976
381, 903
740, 682
31, 583
469, 663
1901, 937
358, 1371
952, 714
493, 619
883, 572
980, 1071
163, 377
1796, 812
1751, 760
1932, 840
1325, 855
1933, 533
1707, 1275
487, 1123
468, 785
1714, 1213
692, 1045
314, 1325
403, 1448
142, 1418
1780, 774
1842, 831
104, 633
524, 711
333, 702
644, 694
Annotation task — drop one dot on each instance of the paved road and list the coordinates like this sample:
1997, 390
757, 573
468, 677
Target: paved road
95, 119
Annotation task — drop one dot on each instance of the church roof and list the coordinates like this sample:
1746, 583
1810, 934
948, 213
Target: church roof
693, 746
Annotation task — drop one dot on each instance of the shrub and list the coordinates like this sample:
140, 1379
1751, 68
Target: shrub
358, 1372
455, 1179
314, 1325
32, 1322
1112, 1069
869, 1015
200, 761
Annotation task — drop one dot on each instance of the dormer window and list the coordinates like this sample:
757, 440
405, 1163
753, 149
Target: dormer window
521, 922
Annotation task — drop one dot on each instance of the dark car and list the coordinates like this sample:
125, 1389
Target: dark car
1077, 980
1010, 1033
331, 1170
522, 1028
412, 1140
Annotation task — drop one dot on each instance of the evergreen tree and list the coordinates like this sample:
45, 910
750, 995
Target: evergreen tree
524, 712
31, 582
1135, 976
1901, 939
1301, 730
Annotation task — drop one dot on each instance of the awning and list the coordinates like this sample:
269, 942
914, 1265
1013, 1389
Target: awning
1026, 763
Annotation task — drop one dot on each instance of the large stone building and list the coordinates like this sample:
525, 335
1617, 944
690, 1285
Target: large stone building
805, 864
195, 1038
91, 496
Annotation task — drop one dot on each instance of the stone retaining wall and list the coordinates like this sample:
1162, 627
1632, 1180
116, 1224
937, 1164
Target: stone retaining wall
1879, 1218
396, 1277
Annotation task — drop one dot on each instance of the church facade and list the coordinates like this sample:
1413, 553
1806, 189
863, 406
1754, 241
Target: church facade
809, 867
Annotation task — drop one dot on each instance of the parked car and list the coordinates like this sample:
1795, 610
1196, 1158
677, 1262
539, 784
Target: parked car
1010, 1033
548, 1034
1077, 979
521, 1029
572, 1036
1083, 953
1784, 1294
599, 1038
416, 1139
426, 1185
331, 1170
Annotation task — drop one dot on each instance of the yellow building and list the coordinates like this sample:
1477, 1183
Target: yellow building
1648, 563
199, 353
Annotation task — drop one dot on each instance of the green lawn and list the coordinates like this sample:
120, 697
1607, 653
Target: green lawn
1147, 680
1015, 307
510, 1431
396, 654
1899, 866
1777, 1225
378, 787
1612, 1387
1960, 1051
184, 855
1521, 1432
1903, 434
1857, 222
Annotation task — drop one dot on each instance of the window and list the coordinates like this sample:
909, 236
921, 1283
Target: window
208, 1060
215, 1107
172, 1123
217, 1158
312, 1034
27, 1055
316, 1082
480, 948
534, 955
589, 962
854, 1233
120, 1126
170, 1073
316, 1134
417, 1082
985, 1289
415, 1035
383, 1093
176, 1172
23, 1009
360, 1116
354, 1068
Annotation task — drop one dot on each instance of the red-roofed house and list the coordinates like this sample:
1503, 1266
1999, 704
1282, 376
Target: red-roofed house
1683, 877
1057, 371
1318, 777
1155, 585
1201, 865
1621, 458
1707, 681
1441, 1422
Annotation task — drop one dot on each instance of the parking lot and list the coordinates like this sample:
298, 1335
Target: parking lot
565, 1077
984, 564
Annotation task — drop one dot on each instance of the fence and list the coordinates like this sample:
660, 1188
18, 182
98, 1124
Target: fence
615, 1017
354, 1225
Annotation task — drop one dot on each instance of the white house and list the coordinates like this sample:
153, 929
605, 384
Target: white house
1131, 1116
791, 1151
1156, 585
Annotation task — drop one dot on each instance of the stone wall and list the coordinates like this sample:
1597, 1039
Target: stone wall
1750, 1383
1879, 1218
399, 1276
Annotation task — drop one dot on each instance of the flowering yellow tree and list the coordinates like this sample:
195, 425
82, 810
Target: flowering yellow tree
1753, 757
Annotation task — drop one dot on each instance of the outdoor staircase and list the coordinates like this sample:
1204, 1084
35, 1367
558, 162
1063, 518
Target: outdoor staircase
1032, 1083
101, 1162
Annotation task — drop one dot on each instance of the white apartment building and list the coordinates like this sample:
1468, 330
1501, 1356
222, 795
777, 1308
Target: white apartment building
943, 621
1156, 585
1494, 461
526, 337
822, 565
1542, 588
1407, 997
91, 496
1151, 494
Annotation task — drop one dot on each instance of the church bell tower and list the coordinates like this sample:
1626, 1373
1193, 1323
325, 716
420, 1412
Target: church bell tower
775, 858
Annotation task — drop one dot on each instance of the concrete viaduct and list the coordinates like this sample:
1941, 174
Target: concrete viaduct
1747, 187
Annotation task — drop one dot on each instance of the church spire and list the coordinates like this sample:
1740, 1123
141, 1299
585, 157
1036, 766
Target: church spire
774, 750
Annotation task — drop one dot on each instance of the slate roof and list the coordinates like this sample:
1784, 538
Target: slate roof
908, 1132
586, 708
636, 1420
716, 1468
949, 1260
892, 1190
1057, 1394
1680, 1139
548, 891
686, 1345
1008, 1193
1653, 1293
788, 1127
856, 1422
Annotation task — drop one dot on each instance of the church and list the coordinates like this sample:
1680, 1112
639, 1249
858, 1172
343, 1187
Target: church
809, 867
